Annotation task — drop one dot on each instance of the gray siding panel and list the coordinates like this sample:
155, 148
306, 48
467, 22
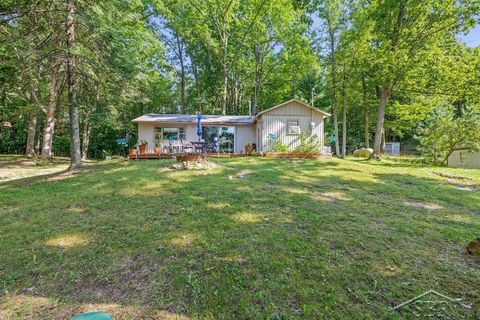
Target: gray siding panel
146, 131
243, 135
473, 160
270, 122
275, 122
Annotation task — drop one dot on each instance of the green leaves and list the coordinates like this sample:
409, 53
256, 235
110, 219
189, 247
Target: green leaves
445, 129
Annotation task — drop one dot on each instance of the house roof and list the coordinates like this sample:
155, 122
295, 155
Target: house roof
189, 118
294, 100
215, 119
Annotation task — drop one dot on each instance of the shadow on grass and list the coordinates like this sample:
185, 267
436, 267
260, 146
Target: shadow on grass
292, 238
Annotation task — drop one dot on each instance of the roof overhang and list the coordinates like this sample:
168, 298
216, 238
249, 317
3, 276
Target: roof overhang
207, 120
325, 114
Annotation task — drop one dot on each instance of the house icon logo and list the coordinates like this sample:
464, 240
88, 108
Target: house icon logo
434, 305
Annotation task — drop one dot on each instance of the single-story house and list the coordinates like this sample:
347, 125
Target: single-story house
285, 122
462, 158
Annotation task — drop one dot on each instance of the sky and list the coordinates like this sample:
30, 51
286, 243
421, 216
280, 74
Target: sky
472, 39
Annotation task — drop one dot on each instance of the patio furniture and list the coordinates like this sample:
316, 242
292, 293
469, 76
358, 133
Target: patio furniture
212, 148
187, 148
142, 148
199, 146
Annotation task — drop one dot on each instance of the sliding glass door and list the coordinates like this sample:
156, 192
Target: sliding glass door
219, 139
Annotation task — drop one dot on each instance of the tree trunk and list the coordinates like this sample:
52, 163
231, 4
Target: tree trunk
86, 136
75, 158
225, 73
87, 126
366, 113
344, 119
224, 89
195, 75
334, 94
48, 130
344, 132
258, 78
377, 146
32, 130
182, 75
38, 140
388, 84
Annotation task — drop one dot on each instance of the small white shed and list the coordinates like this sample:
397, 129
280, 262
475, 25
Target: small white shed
462, 158
392, 148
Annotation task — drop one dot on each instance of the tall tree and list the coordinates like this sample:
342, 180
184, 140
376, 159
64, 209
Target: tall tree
332, 14
75, 156
404, 32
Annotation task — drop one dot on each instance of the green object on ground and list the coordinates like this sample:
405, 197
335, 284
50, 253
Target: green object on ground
96, 315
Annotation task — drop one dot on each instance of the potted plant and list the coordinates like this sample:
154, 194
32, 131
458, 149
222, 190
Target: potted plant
107, 154
248, 149
157, 150
142, 147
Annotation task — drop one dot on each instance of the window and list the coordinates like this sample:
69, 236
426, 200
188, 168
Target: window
463, 157
170, 134
219, 139
293, 127
158, 137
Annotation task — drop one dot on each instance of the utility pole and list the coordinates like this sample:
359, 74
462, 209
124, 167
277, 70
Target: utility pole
313, 94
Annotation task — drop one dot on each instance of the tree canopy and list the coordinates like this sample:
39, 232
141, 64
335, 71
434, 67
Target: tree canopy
380, 67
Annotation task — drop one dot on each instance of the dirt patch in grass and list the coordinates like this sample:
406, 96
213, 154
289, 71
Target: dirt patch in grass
331, 196
11, 208
430, 206
459, 182
132, 283
456, 257
68, 241
386, 270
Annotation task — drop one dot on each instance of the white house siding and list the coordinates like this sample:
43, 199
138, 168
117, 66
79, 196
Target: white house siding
271, 122
146, 131
190, 132
275, 122
244, 135
473, 160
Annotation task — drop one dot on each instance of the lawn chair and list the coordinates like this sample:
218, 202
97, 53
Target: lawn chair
199, 146
187, 147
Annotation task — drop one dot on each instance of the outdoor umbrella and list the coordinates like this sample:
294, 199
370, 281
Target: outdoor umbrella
199, 126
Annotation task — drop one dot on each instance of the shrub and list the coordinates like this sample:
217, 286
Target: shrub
275, 145
308, 144
445, 129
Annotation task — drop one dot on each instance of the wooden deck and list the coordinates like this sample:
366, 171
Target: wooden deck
154, 156
148, 156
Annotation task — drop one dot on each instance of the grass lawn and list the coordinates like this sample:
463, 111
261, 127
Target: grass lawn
281, 239
16, 167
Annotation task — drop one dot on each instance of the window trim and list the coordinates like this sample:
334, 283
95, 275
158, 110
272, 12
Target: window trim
463, 157
297, 125
181, 133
